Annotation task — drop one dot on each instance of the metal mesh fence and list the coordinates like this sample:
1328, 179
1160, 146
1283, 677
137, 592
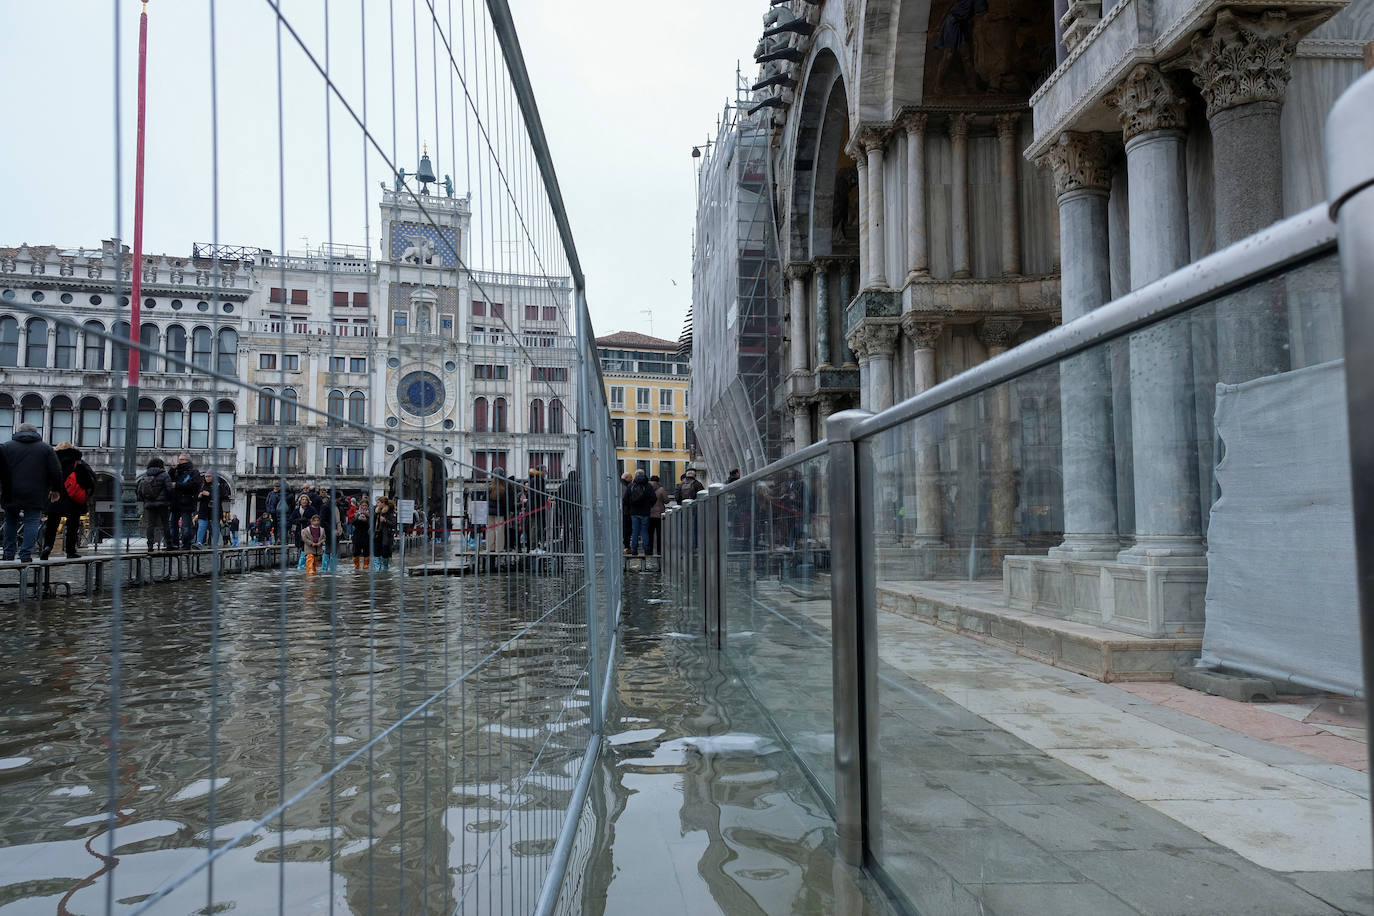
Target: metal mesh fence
330, 626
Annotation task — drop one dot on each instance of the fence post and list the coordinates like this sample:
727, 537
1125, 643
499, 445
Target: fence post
853, 629
1350, 188
710, 561
689, 553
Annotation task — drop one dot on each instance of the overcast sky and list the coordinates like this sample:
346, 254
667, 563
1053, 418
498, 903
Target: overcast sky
626, 88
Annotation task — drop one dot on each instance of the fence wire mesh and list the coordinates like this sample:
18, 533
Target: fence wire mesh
340, 614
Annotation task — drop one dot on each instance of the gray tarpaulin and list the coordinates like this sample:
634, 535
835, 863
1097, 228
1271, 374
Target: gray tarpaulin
1281, 599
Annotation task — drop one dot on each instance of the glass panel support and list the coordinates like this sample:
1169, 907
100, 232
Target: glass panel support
713, 551
1350, 188
854, 656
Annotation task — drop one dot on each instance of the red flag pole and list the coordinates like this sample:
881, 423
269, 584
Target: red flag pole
136, 291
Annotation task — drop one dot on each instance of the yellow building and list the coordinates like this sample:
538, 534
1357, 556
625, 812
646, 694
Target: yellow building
646, 386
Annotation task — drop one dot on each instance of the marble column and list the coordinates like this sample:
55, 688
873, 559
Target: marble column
797, 274
874, 143
1008, 211
959, 209
1167, 512
917, 241
1242, 65
822, 267
997, 334
846, 297
865, 238
880, 343
925, 336
801, 422
1082, 181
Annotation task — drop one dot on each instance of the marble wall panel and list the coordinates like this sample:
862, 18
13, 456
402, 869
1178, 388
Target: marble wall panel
985, 214
1037, 211
1201, 196
1314, 88
938, 204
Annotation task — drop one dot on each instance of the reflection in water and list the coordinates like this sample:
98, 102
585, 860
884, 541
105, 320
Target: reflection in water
459, 806
700, 809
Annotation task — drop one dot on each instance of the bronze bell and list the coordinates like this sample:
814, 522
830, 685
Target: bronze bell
426, 173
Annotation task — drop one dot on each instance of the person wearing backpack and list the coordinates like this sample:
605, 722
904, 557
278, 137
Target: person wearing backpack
639, 500
78, 482
154, 490
32, 478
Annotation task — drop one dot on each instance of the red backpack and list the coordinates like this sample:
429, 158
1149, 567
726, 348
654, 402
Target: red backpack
75, 491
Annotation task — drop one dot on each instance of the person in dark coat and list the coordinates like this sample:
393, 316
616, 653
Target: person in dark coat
383, 531
186, 481
362, 537
78, 484
499, 504
639, 503
210, 508
31, 479
569, 512
154, 490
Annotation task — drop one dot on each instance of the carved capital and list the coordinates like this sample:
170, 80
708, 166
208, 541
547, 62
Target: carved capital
914, 122
871, 338
1246, 58
1007, 125
924, 334
998, 332
959, 125
1147, 100
798, 270
873, 137
824, 264
1079, 162
798, 403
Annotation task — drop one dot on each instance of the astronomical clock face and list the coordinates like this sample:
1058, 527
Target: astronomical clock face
420, 393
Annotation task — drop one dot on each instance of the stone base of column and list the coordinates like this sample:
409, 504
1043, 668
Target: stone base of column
1165, 550
1088, 547
1155, 600
933, 559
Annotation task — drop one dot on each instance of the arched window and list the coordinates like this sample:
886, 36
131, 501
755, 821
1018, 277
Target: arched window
536, 416
202, 342
94, 355
31, 411
288, 406
200, 425
147, 423
335, 407
175, 343
556, 417
267, 407
61, 420
498, 415
65, 358
119, 347
224, 425
89, 436
117, 428
172, 418
147, 335
357, 407
36, 350
479, 415
9, 341
228, 352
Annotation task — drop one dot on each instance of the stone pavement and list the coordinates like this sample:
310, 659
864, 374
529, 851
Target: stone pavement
1012, 786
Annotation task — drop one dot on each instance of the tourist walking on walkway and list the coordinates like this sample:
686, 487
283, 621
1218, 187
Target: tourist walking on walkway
185, 493
498, 509
214, 493
362, 537
78, 482
689, 488
626, 526
154, 490
539, 506
656, 517
639, 502
30, 476
383, 531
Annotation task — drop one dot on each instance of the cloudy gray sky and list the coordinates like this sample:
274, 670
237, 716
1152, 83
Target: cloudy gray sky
626, 88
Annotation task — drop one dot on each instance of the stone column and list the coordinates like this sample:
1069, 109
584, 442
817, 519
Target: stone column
874, 142
796, 284
925, 336
822, 268
1082, 182
918, 244
880, 342
865, 237
1167, 513
801, 422
858, 345
1008, 211
1242, 66
959, 211
997, 334
846, 297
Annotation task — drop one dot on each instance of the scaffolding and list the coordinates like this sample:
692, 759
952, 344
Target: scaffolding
737, 355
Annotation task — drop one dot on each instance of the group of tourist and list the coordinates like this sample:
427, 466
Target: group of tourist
184, 508
40, 488
318, 520
643, 499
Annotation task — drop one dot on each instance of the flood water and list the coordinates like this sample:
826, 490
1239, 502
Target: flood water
695, 808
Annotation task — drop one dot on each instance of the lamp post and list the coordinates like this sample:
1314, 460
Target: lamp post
128, 499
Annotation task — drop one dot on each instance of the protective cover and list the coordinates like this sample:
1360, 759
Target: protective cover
1281, 587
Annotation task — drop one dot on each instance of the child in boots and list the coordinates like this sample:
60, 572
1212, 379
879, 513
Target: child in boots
312, 541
